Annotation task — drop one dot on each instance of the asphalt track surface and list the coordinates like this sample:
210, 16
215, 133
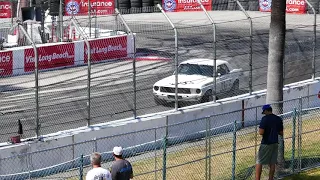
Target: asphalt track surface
63, 92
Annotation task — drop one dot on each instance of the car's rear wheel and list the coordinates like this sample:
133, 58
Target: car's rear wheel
235, 86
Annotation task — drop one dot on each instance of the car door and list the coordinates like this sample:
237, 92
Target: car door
221, 79
228, 80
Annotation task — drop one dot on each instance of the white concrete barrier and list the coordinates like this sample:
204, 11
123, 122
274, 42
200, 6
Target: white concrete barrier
144, 128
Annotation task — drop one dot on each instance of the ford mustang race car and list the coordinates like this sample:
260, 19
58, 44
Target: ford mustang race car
196, 82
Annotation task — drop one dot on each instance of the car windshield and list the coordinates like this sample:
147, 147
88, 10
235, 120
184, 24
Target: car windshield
194, 69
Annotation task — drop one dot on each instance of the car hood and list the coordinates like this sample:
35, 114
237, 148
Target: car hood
185, 81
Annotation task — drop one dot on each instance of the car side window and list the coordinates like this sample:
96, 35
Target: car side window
222, 69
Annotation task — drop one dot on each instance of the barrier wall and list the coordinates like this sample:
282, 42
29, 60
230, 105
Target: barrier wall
20, 60
190, 130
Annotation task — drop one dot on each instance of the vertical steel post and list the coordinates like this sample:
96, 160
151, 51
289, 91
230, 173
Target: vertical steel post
12, 12
95, 22
81, 168
89, 69
133, 62
207, 147
89, 15
36, 74
164, 156
176, 54
234, 149
299, 134
314, 40
256, 136
251, 40
155, 153
214, 88
61, 20
293, 139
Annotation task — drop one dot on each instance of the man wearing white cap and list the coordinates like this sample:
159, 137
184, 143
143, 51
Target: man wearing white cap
97, 173
121, 169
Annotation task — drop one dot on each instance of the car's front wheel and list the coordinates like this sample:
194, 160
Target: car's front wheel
207, 97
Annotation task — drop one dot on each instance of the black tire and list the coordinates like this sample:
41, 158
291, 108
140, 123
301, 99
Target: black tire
235, 86
124, 6
147, 6
207, 97
136, 3
155, 8
232, 5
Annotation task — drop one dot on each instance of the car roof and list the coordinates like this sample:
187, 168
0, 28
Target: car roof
208, 62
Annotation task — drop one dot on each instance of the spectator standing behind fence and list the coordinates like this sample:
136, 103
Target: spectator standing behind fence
270, 127
121, 169
97, 172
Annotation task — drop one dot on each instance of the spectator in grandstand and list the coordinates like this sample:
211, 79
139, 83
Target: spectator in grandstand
270, 127
97, 172
121, 169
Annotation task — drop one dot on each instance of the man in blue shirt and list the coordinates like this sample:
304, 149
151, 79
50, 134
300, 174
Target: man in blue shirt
270, 127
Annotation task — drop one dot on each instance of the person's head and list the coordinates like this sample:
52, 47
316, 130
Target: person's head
95, 159
267, 109
117, 152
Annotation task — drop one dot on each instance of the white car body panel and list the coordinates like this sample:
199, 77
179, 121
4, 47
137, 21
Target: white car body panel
192, 82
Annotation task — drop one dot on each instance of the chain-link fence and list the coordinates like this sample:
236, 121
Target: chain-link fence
83, 94
205, 148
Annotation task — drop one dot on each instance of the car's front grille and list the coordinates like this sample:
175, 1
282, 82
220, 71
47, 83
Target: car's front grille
172, 90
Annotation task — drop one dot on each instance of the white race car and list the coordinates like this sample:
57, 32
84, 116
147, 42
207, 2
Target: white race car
196, 82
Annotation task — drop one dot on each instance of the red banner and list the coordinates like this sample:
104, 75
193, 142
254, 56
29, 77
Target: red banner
186, 5
81, 7
50, 57
5, 9
6, 65
107, 49
296, 6
292, 6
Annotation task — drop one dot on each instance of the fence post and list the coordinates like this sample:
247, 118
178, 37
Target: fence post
61, 20
155, 154
176, 54
207, 147
256, 136
81, 168
214, 89
133, 62
250, 55
85, 38
314, 40
164, 156
299, 133
293, 139
36, 73
234, 149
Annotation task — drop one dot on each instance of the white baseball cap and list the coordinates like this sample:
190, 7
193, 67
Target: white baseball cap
117, 150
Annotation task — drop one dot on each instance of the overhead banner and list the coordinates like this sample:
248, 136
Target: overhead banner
81, 7
292, 6
185, 5
5, 9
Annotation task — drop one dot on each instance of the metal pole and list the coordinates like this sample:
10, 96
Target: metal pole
314, 40
256, 136
155, 154
61, 20
176, 54
36, 74
293, 139
81, 168
89, 14
214, 89
251, 51
89, 70
234, 148
299, 133
164, 158
133, 63
12, 12
95, 22
207, 147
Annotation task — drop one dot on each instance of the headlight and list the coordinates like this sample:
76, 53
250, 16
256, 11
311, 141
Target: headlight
198, 91
156, 88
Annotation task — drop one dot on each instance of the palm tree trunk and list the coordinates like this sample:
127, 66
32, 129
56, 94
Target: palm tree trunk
275, 64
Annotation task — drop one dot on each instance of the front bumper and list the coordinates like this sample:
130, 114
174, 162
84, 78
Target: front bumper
170, 97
